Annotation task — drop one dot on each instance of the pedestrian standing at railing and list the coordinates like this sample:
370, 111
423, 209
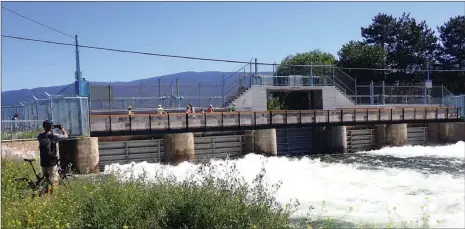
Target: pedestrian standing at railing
15, 117
14, 125
160, 110
232, 108
192, 108
210, 108
130, 112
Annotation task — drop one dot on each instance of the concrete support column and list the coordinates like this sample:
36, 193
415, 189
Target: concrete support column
396, 134
178, 148
261, 142
451, 132
82, 153
337, 142
380, 136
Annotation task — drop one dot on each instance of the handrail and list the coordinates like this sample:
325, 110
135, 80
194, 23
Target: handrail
218, 121
274, 111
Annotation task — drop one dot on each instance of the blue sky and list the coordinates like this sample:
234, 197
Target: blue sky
268, 31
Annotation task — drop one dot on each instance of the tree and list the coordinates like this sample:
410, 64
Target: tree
452, 37
408, 44
314, 57
357, 54
382, 32
451, 55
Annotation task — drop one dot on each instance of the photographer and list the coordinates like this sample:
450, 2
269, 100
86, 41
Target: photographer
48, 150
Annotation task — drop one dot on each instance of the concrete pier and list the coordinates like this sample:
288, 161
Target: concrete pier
261, 142
178, 148
442, 133
82, 153
396, 135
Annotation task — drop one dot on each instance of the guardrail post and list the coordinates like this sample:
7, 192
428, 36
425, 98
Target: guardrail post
285, 117
205, 119
222, 120
150, 123
271, 118
169, 125
109, 116
403, 114
239, 118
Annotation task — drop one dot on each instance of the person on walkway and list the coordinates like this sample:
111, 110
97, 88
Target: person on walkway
160, 110
48, 151
130, 112
210, 108
188, 109
192, 108
232, 108
15, 117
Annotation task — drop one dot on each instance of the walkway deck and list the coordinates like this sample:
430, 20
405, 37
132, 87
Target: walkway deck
117, 124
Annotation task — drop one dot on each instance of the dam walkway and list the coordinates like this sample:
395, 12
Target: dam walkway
143, 124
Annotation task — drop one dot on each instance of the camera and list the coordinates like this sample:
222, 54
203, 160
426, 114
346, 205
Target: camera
59, 126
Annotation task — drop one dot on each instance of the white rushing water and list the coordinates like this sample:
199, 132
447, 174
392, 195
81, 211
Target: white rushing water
372, 182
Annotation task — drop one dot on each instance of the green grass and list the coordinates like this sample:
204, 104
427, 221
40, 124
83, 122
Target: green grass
167, 203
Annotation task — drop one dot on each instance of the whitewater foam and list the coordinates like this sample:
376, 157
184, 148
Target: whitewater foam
456, 150
371, 193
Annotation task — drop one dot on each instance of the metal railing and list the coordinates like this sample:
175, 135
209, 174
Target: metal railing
21, 129
388, 94
456, 101
148, 123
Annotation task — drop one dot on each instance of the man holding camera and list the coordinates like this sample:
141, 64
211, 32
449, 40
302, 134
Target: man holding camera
48, 150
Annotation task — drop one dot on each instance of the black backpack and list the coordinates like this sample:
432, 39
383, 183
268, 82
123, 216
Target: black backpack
47, 147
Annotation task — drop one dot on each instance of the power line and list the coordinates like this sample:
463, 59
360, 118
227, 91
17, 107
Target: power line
132, 52
58, 31
211, 59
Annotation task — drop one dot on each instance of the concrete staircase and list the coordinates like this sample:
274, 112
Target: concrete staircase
233, 98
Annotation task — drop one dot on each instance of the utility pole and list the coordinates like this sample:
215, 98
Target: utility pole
78, 77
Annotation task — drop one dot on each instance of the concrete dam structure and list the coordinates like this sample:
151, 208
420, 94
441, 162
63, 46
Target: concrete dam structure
276, 133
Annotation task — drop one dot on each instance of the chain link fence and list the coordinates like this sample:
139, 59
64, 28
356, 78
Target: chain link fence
71, 112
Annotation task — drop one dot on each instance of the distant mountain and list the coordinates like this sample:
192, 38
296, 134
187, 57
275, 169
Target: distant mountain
188, 81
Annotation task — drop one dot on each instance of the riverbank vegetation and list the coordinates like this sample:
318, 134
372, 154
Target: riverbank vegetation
200, 201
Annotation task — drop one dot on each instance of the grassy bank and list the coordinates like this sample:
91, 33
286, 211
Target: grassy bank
203, 203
